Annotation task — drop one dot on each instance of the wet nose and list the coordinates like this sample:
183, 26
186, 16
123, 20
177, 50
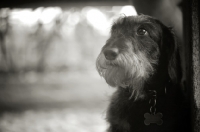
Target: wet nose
111, 54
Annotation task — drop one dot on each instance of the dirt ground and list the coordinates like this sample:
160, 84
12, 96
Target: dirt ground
53, 102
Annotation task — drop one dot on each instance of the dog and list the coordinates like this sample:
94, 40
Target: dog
141, 59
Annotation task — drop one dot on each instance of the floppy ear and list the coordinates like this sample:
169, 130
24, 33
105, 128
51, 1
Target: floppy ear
170, 44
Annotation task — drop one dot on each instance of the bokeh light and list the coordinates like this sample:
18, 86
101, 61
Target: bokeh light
49, 80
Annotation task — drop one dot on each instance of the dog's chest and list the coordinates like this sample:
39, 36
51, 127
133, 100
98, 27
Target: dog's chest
164, 118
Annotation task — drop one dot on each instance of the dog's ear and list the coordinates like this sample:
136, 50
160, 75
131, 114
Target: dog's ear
170, 47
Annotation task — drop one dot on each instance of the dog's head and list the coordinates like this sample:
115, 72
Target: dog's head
133, 51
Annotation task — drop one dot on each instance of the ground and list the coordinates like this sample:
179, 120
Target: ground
54, 102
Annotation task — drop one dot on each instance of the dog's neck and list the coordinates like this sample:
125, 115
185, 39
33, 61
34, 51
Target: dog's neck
160, 80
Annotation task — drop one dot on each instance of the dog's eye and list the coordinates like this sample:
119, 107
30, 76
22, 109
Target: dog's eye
142, 31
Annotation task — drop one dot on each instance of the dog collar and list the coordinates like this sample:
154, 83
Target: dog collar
152, 116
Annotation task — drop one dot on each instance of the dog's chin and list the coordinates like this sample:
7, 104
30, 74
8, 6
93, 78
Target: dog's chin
116, 77
124, 74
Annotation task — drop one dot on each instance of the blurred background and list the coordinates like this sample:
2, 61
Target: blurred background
48, 79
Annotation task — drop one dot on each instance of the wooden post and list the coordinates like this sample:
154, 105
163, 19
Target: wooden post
193, 55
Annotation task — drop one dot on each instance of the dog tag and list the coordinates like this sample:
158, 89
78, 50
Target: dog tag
153, 118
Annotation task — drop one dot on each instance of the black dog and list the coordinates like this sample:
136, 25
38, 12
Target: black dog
141, 59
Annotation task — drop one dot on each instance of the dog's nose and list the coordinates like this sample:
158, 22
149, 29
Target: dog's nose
111, 54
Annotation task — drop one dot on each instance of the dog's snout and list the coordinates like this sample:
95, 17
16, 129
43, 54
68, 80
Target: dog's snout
111, 54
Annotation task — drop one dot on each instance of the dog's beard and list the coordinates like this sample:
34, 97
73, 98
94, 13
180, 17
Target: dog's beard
127, 70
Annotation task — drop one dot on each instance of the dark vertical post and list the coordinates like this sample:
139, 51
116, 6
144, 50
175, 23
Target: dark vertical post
192, 46
195, 63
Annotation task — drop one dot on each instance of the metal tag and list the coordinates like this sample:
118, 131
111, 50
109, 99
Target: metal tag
153, 118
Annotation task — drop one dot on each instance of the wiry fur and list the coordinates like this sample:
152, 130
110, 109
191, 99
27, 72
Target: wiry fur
142, 63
